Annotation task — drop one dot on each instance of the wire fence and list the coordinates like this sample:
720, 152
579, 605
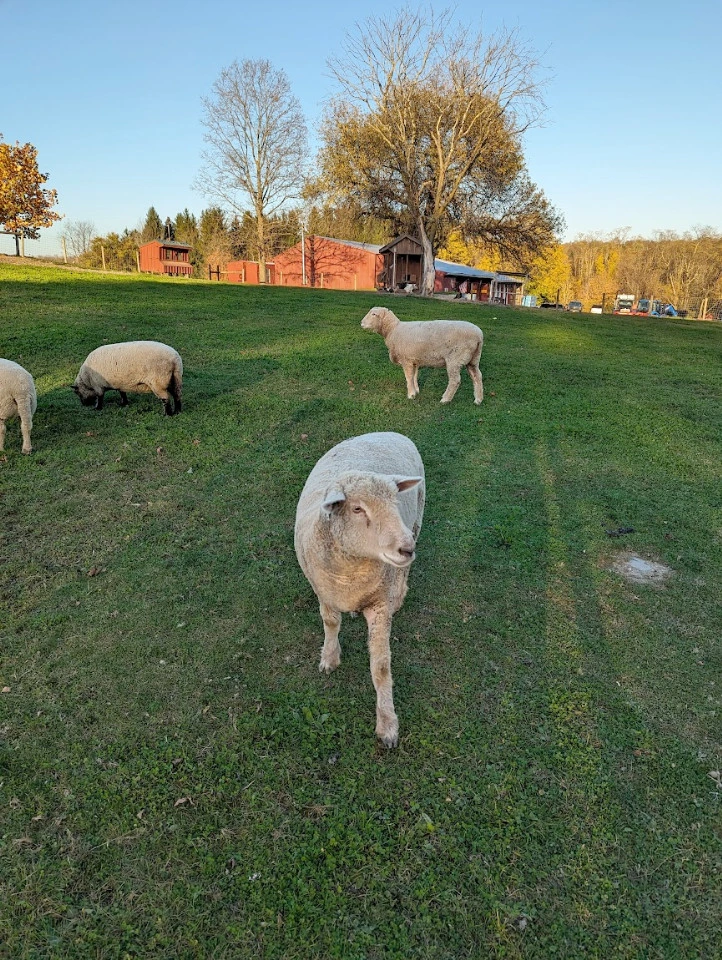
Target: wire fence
43, 249
101, 257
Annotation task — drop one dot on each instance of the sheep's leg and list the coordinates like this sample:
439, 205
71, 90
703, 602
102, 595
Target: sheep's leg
454, 372
476, 379
26, 425
123, 398
409, 374
387, 723
331, 653
416, 380
99, 401
176, 392
2, 434
164, 398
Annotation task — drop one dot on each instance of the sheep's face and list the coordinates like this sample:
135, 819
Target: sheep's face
85, 394
364, 520
374, 319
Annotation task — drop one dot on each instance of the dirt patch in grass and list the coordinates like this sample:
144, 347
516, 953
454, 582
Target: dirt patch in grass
638, 570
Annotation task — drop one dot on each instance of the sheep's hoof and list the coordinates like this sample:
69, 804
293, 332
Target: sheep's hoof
29, 450
478, 402
328, 666
445, 401
389, 740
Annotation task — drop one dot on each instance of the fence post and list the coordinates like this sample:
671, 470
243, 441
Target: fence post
322, 281
22, 244
703, 309
243, 274
65, 250
102, 254
137, 259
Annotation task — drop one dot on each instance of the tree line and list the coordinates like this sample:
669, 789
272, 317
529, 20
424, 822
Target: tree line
682, 269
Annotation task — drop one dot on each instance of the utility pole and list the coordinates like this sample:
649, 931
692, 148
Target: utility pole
303, 251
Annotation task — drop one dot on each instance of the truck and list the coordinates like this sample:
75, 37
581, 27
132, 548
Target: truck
624, 302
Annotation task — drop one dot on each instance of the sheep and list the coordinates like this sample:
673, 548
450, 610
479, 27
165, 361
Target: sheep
139, 366
430, 343
17, 399
357, 523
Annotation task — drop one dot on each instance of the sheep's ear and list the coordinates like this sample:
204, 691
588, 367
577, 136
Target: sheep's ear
333, 502
406, 483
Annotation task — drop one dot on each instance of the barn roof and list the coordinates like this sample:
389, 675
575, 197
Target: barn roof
370, 247
167, 243
461, 270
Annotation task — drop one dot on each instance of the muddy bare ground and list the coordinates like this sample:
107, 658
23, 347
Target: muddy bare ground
638, 570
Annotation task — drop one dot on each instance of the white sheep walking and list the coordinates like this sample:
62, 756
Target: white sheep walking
17, 399
430, 343
357, 522
139, 366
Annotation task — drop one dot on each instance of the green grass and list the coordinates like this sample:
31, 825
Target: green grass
176, 778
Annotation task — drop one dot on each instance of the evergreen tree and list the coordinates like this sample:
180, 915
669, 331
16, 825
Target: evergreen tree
152, 228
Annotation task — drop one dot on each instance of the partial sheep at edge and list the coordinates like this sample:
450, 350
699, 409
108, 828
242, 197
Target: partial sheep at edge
17, 399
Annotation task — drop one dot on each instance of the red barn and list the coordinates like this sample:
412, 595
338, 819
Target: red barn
330, 263
167, 257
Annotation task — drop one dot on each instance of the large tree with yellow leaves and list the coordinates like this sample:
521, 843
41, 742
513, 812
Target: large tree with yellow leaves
25, 204
426, 132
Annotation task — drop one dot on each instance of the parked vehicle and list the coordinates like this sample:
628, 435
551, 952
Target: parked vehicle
646, 307
624, 302
548, 305
597, 308
574, 306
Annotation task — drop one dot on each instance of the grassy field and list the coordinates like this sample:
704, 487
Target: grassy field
177, 780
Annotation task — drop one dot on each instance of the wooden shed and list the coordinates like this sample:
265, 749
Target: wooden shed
402, 260
330, 263
167, 257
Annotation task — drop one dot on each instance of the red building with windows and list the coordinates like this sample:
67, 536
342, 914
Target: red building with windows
166, 257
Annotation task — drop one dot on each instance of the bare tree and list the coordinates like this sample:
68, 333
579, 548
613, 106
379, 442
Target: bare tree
257, 144
426, 132
79, 235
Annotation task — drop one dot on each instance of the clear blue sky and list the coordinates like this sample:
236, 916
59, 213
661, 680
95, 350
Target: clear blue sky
110, 95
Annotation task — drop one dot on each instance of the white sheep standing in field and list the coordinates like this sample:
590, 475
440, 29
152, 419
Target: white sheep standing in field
17, 399
357, 522
430, 343
139, 366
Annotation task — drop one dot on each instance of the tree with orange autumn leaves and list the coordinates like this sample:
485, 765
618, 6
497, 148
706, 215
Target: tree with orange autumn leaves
25, 205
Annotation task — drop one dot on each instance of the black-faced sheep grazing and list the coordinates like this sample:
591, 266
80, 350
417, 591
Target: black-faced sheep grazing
357, 522
17, 399
140, 366
430, 343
